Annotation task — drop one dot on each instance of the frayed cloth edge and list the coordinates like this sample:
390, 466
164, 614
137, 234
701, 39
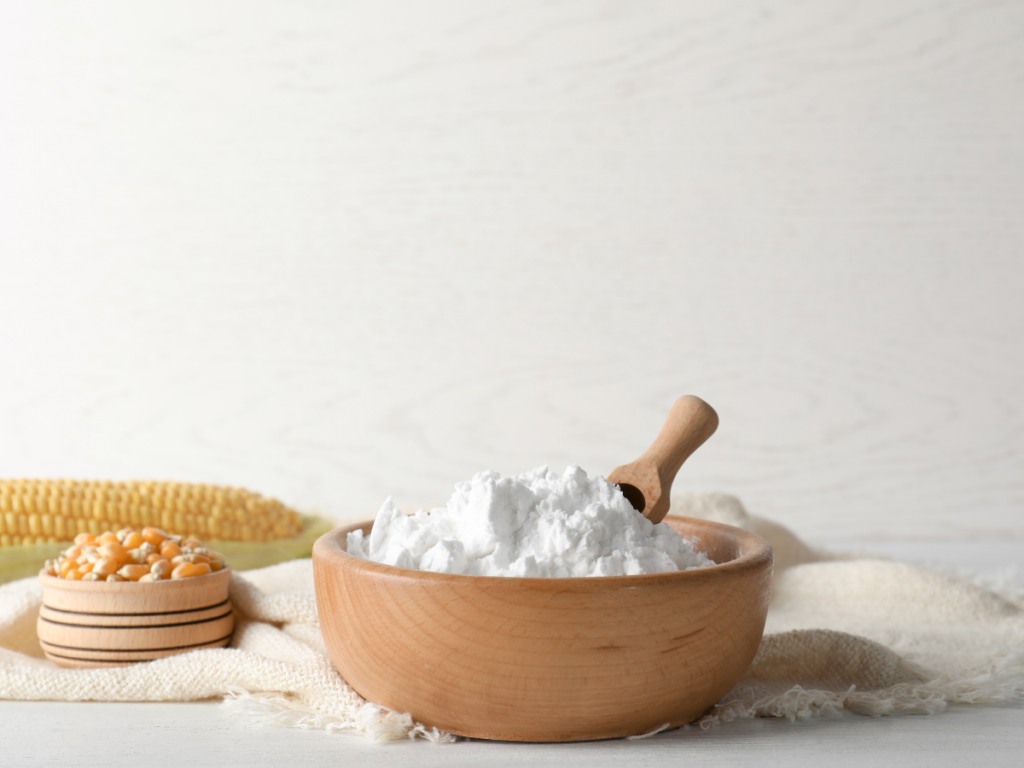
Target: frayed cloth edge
798, 703
378, 723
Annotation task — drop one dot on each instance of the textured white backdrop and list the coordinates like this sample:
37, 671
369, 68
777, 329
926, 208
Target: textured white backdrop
336, 251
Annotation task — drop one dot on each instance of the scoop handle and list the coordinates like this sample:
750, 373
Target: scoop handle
647, 482
689, 424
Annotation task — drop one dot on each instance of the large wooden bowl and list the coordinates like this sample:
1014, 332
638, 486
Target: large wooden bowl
109, 624
546, 659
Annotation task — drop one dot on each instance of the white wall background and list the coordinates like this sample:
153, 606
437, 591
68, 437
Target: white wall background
336, 251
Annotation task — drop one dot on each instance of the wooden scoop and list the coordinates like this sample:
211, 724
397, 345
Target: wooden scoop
647, 482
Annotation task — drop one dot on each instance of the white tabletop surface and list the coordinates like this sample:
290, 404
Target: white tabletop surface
108, 735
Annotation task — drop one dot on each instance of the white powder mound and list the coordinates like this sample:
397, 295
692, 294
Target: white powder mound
536, 524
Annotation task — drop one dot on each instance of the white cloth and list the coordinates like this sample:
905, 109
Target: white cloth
866, 635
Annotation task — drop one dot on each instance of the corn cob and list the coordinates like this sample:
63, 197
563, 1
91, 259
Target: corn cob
49, 511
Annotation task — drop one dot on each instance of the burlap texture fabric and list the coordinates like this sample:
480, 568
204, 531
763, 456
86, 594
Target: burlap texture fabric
869, 636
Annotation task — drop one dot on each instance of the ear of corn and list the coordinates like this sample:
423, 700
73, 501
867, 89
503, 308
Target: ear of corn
37, 516
48, 511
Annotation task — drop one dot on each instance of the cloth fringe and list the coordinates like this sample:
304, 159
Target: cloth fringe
279, 710
797, 703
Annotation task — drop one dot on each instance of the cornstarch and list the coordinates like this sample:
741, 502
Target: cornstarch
537, 524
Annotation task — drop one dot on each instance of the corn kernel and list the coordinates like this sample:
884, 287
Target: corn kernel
135, 557
170, 550
188, 570
115, 551
106, 566
101, 557
133, 572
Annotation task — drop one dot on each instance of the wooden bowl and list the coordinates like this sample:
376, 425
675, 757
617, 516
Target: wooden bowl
546, 659
110, 624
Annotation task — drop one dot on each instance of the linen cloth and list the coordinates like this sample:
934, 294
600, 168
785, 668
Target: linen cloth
869, 636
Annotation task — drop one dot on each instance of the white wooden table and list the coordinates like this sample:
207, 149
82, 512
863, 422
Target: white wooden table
101, 734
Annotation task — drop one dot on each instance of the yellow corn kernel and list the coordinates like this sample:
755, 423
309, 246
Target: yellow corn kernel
161, 569
106, 566
114, 551
136, 557
170, 550
115, 577
133, 572
133, 540
188, 570
154, 536
93, 577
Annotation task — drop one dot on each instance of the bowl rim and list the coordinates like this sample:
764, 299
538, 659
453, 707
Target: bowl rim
113, 587
756, 551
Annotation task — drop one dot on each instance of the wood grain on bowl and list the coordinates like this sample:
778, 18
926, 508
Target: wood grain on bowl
546, 659
100, 624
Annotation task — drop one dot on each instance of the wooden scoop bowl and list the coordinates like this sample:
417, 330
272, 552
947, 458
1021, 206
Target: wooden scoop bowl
647, 482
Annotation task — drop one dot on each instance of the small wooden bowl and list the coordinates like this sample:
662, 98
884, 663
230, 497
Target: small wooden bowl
110, 624
546, 659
